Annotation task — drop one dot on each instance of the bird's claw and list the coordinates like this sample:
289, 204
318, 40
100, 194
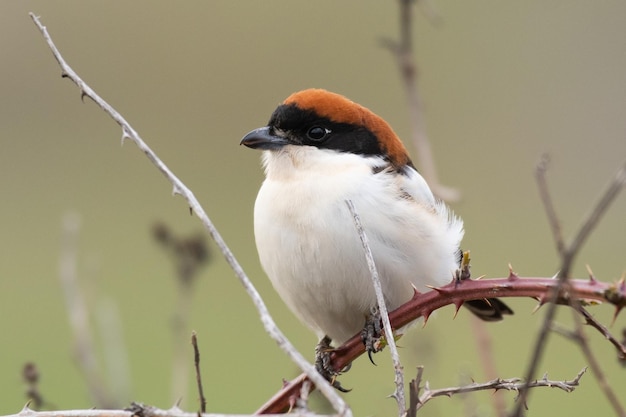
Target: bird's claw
371, 334
324, 365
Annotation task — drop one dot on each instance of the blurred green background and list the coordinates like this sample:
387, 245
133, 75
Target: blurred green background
502, 82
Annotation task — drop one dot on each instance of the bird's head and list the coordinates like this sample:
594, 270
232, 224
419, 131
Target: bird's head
326, 120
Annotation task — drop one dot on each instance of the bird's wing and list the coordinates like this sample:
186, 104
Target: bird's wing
413, 184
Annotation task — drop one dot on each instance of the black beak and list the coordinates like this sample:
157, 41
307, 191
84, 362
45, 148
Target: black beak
262, 139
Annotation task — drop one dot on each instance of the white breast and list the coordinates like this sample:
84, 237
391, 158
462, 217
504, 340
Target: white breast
310, 249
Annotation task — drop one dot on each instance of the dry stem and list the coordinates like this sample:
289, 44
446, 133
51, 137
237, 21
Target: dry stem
382, 307
511, 384
179, 188
196, 362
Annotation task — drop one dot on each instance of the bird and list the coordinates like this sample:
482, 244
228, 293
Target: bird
320, 149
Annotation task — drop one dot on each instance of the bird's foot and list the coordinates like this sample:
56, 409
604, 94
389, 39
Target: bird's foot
324, 365
372, 334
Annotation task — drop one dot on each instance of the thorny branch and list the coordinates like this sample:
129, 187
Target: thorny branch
591, 321
180, 188
511, 384
596, 369
455, 293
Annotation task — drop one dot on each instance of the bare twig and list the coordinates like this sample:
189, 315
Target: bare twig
180, 330
546, 198
512, 384
179, 188
402, 51
593, 322
596, 369
487, 359
541, 342
414, 393
115, 362
140, 410
196, 363
568, 254
302, 402
581, 339
591, 220
382, 307
189, 254
83, 349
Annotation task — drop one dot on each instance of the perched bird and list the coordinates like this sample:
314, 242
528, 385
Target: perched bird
321, 149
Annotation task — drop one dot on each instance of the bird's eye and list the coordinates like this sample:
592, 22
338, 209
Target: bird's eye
317, 133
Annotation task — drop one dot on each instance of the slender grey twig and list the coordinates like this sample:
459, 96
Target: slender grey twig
83, 349
180, 188
382, 307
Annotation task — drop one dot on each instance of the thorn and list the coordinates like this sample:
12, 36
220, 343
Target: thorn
592, 278
480, 277
458, 305
26, 409
440, 290
190, 211
618, 310
556, 276
82, 95
176, 406
426, 315
538, 306
415, 290
125, 135
512, 275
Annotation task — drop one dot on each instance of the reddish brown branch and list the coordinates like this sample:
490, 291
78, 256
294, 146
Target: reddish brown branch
456, 293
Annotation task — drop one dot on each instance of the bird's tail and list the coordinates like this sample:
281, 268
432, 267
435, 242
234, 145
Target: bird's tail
488, 309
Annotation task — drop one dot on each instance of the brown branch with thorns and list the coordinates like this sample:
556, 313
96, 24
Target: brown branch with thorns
456, 293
